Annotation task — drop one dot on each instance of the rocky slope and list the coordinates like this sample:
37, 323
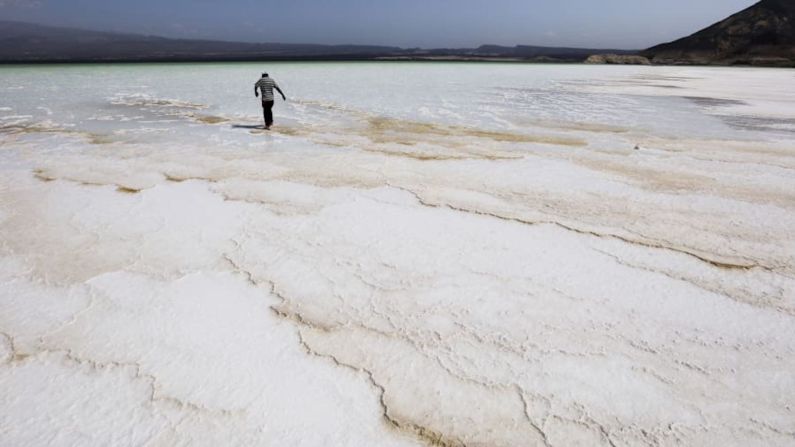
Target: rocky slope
617, 59
763, 34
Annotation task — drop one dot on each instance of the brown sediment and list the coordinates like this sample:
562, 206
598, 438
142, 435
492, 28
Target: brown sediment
775, 156
39, 174
319, 104
178, 179
32, 128
666, 180
576, 126
173, 178
127, 190
29, 129
210, 119
451, 140
657, 179
14, 354
382, 129
418, 156
99, 139
288, 130
426, 156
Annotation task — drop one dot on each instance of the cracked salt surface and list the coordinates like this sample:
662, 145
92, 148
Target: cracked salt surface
515, 274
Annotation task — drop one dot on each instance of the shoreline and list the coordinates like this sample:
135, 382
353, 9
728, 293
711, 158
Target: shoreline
394, 59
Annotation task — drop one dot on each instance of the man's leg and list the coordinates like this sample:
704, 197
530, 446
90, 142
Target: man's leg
267, 107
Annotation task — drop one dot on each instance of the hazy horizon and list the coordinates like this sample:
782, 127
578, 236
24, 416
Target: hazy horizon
620, 24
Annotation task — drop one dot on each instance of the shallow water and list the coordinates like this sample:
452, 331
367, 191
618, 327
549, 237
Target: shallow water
504, 97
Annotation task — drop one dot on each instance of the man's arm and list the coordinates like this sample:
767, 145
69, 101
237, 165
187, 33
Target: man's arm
256, 93
280, 91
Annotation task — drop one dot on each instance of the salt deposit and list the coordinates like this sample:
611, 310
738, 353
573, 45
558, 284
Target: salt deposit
417, 254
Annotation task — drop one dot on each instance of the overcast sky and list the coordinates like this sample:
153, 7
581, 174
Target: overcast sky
627, 24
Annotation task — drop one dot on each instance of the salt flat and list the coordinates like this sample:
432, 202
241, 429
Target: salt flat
417, 254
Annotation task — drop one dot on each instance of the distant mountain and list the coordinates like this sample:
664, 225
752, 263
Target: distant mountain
25, 42
763, 34
527, 51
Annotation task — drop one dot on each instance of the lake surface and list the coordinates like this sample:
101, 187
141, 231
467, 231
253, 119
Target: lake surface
514, 97
416, 254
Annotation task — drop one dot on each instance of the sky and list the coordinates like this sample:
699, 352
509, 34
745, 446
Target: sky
621, 24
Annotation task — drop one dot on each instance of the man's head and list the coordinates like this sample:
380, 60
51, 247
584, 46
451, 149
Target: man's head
264, 75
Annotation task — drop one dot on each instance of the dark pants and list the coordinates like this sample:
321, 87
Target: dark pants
267, 112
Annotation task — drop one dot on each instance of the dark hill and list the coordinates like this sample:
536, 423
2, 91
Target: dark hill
527, 51
763, 34
25, 42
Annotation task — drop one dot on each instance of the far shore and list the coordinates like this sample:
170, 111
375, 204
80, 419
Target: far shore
425, 59
379, 58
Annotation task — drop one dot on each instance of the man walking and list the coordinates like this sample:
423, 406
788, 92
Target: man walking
266, 86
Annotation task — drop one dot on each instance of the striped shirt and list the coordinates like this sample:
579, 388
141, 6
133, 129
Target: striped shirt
266, 86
